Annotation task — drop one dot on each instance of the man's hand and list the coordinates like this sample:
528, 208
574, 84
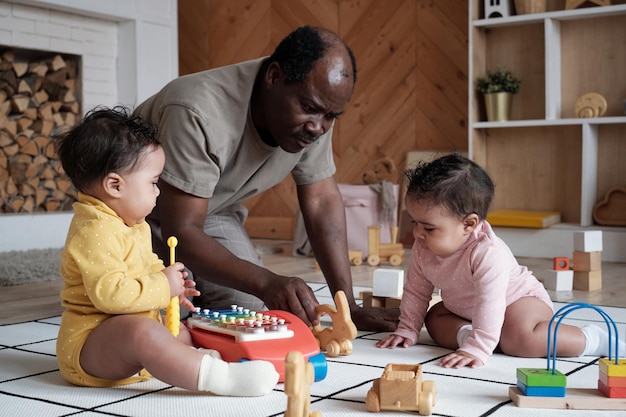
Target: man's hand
459, 359
376, 318
294, 295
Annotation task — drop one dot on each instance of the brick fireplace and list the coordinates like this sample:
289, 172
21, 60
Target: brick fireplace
128, 50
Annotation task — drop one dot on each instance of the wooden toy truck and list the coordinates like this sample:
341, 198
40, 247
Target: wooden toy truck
401, 388
377, 252
355, 257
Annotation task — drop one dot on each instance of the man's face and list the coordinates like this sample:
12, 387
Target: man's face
298, 113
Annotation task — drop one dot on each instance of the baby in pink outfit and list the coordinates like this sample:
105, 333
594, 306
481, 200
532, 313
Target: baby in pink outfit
488, 299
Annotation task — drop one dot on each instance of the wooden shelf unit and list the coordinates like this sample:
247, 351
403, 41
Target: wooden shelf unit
545, 158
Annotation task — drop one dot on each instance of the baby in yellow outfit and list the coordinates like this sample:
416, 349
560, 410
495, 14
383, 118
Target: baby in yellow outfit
115, 286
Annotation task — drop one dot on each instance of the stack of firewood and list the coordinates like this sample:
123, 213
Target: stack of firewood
38, 100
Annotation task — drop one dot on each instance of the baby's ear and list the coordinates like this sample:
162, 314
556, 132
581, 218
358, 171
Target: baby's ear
111, 184
470, 222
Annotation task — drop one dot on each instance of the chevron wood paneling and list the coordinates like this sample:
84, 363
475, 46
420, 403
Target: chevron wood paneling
411, 92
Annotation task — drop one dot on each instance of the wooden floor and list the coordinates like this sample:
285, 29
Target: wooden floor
35, 301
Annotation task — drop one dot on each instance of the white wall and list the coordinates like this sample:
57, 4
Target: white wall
129, 50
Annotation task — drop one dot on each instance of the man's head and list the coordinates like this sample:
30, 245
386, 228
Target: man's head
302, 88
301, 49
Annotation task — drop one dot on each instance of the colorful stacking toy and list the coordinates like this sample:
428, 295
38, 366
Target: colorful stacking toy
549, 382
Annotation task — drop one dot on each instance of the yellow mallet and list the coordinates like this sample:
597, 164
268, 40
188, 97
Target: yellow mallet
172, 312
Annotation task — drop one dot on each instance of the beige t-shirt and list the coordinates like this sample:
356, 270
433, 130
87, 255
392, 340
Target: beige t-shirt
212, 148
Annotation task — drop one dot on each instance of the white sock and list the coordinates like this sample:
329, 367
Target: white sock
597, 342
210, 352
462, 334
237, 379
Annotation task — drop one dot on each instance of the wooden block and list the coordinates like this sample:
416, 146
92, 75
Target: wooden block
558, 280
541, 391
370, 301
392, 302
587, 261
541, 377
610, 368
523, 218
588, 280
561, 263
613, 381
611, 392
588, 241
388, 282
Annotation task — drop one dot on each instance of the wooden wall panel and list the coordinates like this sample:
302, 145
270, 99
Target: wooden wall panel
411, 92
382, 36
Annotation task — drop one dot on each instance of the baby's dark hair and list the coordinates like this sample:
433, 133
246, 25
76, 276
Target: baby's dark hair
105, 141
454, 182
298, 52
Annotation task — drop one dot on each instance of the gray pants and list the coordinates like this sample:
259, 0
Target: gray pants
226, 228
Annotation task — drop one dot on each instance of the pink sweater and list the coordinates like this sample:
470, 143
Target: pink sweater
477, 283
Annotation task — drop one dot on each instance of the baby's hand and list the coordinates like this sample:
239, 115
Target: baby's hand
459, 359
176, 275
190, 291
392, 341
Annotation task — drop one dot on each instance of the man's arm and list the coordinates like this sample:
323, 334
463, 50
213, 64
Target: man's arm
325, 221
183, 215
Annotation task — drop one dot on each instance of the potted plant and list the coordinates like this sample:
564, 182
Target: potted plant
498, 88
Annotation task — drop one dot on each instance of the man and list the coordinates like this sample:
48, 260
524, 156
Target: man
233, 132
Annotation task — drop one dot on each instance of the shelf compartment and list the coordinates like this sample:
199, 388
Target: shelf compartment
536, 168
519, 49
595, 62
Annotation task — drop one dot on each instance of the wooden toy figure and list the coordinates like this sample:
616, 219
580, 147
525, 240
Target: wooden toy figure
298, 381
336, 340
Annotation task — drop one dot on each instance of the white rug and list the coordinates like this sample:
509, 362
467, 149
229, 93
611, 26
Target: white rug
30, 384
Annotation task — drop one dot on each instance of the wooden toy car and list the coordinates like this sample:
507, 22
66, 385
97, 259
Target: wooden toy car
401, 388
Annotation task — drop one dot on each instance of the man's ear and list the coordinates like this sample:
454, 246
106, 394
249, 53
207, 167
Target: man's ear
470, 222
274, 73
111, 184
